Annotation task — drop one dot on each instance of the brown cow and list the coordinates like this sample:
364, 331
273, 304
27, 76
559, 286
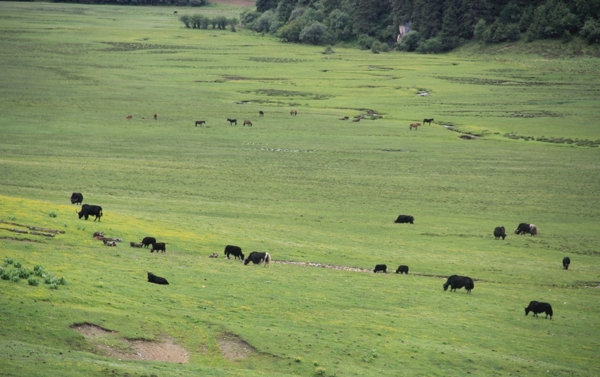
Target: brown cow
129, 116
293, 112
344, 118
155, 115
415, 126
247, 122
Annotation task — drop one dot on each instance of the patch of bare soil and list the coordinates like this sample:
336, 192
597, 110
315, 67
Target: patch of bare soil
136, 349
234, 347
239, 3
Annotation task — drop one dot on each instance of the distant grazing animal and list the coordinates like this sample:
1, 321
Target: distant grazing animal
98, 234
405, 219
247, 122
499, 231
155, 115
156, 279
525, 228
135, 244
129, 116
148, 241
257, 258
159, 246
236, 251
566, 262
539, 307
232, 121
175, 12
345, 118
356, 120
293, 112
428, 120
380, 268
109, 243
415, 126
76, 198
90, 210
457, 282
214, 255
261, 113
402, 269
200, 122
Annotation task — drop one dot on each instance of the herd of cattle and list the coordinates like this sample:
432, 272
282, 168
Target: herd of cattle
454, 281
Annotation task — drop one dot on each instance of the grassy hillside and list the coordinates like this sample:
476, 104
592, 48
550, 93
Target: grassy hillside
309, 188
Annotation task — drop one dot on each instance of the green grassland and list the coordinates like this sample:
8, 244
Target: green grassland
310, 188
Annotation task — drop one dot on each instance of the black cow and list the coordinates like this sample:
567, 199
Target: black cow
90, 210
405, 219
380, 268
148, 241
257, 258
457, 282
539, 307
232, 121
159, 246
402, 269
236, 251
428, 120
76, 198
156, 279
525, 228
566, 262
499, 231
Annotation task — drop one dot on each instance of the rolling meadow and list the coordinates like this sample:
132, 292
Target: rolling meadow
313, 190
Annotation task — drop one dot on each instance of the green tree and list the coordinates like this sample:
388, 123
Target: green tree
410, 41
313, 33
291, 31
185, 19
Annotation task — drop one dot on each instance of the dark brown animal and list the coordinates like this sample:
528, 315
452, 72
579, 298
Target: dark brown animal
232, 121
247, 122
200, 122
155, 115
345, 118
129, 116
261, 113
293, 112
415, 126
428, 120
356, 120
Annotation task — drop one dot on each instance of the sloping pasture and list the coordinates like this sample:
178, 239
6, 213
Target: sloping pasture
307, 188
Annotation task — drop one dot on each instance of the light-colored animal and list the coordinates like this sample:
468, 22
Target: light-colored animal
415, 126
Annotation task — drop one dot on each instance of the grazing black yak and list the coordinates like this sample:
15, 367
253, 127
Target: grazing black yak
380, 268
539, 307
499, 232
457, 282
566, 262
402, 269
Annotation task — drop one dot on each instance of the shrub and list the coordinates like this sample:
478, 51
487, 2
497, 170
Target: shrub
591, 31
5, 275
38, 270
320, 371
313, 33
24, 272
291, 31
14, 276
52, 214
263, 23
49, 279
8, 261
365, 42
410, 41
298, 359
33, 281
432, 45
17, 265
328, 50
53, 286
62, 281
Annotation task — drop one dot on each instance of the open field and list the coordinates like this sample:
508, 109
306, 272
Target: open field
305, 188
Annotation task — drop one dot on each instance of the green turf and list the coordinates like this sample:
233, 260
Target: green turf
310, 188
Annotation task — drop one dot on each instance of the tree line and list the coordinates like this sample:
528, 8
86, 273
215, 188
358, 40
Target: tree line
424, 25
198, 21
